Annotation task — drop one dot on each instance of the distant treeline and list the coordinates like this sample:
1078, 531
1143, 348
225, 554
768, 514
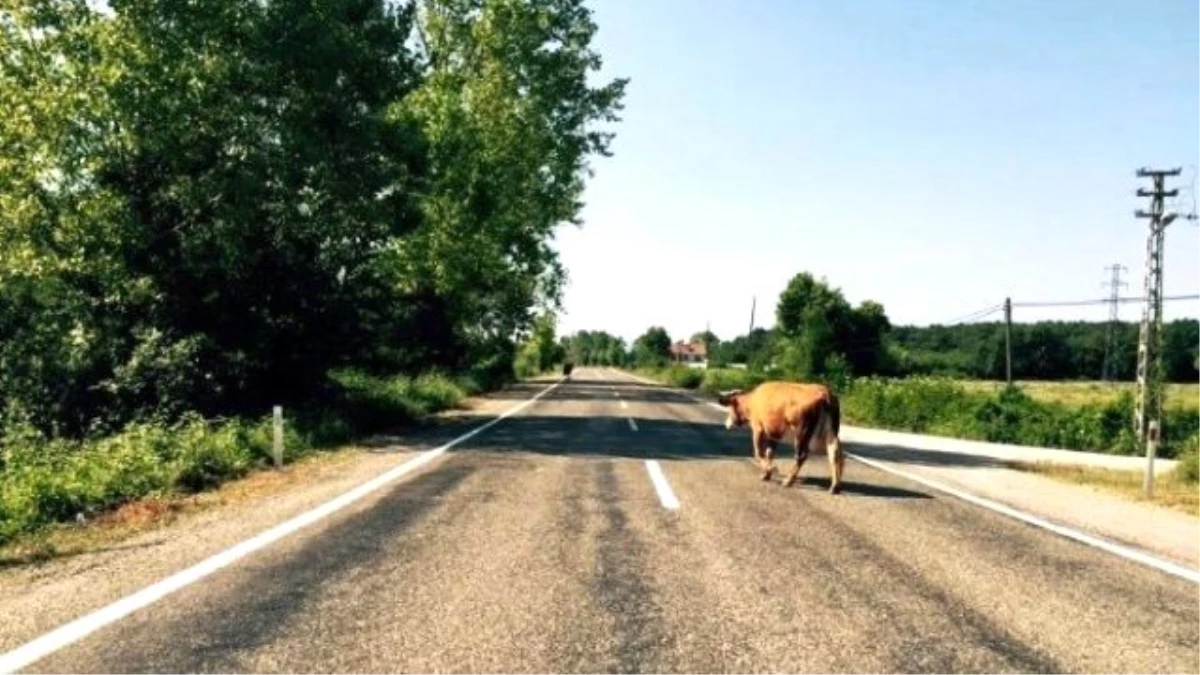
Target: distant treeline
823, 336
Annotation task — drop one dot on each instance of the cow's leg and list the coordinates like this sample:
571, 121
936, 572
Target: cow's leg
803, 438
768, 464
809, 424
837, 460
755, 437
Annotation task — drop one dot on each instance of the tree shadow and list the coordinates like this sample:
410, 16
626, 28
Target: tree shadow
589, 437
598, 390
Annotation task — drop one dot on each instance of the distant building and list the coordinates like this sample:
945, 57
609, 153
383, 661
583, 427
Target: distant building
691, 354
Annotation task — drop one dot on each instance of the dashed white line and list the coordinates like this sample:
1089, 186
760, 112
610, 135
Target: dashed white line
632, 424
79, 628
665, 494
624, 404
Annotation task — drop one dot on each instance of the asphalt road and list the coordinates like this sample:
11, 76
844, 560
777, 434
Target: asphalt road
542, 545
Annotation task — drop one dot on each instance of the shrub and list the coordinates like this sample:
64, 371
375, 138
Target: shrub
1188, 470
45, 480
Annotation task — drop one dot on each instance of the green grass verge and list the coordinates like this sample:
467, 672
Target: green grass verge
44, 481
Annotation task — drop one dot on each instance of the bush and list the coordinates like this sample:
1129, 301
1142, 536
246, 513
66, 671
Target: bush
724, 379
1188, 469
44, 480
942, 406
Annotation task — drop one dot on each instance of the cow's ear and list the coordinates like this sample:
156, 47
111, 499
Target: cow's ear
726, 397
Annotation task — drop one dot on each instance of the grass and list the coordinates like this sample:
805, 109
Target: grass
1175, 397
1170, 489
45, 481
109, 528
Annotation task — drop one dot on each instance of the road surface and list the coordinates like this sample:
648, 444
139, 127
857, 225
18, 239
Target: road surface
549, 543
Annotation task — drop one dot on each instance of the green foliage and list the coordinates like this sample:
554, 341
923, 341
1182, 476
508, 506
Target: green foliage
1188, 469
1048, 350
944, 407
207, 207
818, 329
541, 352
595, 348
45, 480
652, 348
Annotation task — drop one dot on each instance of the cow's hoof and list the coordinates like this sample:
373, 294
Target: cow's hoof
766, 475
787, 482
835, 489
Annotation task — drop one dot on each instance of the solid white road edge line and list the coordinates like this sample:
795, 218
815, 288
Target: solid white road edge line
70, 632
1082, 537
665, 494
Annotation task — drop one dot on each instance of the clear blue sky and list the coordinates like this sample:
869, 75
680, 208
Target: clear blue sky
934, 156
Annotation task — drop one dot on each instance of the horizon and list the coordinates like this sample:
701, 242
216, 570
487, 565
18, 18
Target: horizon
744, 131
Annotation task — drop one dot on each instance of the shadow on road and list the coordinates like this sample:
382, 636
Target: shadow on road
913, 456
599, 390
666, 440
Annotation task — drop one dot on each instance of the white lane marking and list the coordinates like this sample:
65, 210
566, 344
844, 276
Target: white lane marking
1102, 544
665, 494
68, 633
632, 424
624, 404
1082, 537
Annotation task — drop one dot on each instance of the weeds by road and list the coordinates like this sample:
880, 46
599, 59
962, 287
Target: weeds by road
1172, 489
45, 481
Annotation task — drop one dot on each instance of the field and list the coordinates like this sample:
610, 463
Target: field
1176, 396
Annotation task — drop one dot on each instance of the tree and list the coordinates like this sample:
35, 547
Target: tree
511, 120
652, 347
815, 323
541, 351
210, 205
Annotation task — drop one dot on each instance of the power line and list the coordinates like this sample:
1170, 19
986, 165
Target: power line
977, 314
1100, 301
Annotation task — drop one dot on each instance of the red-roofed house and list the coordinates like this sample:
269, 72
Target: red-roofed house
693, 354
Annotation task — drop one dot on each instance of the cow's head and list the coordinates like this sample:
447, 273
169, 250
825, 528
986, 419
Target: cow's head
732, 399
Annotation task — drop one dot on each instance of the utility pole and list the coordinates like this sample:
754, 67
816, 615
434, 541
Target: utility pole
1110, 343
1008, 341
1148, 411
753, 303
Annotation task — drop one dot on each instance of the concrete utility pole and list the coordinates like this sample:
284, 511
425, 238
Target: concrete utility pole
753, 303
1008, 341
1110, 343
1148, 411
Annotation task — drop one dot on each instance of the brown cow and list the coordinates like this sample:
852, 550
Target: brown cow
809, 413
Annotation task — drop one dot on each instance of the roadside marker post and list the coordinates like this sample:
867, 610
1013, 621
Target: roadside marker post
277, 446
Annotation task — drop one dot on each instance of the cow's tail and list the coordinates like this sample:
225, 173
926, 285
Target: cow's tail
835, 414
831, 426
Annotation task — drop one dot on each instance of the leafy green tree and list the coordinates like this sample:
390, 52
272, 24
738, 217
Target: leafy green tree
652, 347
511, 120
815, 323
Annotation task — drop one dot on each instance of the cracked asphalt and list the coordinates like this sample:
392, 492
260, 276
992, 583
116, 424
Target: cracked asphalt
541, 545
